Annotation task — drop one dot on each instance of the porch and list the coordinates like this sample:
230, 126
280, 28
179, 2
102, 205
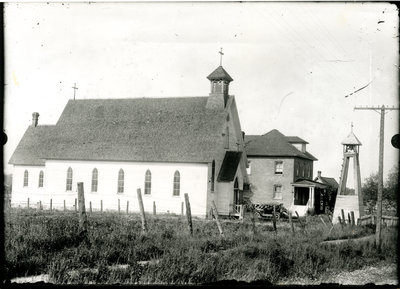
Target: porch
308, 195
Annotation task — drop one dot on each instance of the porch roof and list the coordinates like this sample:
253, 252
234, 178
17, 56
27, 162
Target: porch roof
308, 183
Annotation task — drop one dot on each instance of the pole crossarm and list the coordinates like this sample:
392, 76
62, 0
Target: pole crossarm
375, 108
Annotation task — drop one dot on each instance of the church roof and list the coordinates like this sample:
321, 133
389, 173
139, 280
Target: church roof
143, 129
273, 144
219, 74
351, 139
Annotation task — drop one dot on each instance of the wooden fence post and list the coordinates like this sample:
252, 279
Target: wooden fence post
188, 214
182, 209
51, 205
82, 209
76, 206
340, 221
349, 218
291, 222
343, 218
119, 206
101, 206
303, 226
154, 208
65, 208
274, 217
40, 205
127, 207
28, 203
323, 222
90, 206
142, 215
215, 212
353, 221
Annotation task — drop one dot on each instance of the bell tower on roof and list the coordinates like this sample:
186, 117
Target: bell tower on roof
219, 80
349, 203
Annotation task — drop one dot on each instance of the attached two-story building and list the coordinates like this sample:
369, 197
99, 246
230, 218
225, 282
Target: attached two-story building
281, 170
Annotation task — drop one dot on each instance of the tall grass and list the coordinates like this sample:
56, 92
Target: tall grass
49, 242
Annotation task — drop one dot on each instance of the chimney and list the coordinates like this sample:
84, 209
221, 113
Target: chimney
319, 174
35, 119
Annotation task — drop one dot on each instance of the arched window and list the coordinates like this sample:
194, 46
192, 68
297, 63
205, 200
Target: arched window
177, 183
69, 179
212, 175
94, 180
147, 183
41, 176
26, 176
121, 181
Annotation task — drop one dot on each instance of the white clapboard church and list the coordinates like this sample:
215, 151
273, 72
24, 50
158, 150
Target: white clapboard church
165, 146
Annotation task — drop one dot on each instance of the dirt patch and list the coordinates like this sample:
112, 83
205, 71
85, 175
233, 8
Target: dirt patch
379, 274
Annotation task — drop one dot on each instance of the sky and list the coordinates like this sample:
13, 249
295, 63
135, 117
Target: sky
293, 65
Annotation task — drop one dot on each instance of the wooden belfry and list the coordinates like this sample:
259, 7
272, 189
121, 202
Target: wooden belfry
349, 203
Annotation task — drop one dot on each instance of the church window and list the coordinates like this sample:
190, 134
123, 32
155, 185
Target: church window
278, 167
41, 176
69, 179
147, 183
226, 138
26, 176
177, 183
121, 181
94, 180
212, 176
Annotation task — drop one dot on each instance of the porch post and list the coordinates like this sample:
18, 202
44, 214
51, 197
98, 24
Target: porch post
311, 205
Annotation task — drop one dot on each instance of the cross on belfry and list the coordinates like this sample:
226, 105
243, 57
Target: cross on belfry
220, 57
75, 88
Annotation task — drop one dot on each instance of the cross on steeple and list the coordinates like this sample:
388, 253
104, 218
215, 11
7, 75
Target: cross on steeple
220, 57
75, 88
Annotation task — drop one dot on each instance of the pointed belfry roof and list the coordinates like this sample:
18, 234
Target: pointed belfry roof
351, 139
220, 74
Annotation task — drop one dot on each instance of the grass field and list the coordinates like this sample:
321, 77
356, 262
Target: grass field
43, 242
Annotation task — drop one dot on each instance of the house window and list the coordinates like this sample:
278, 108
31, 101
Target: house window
278, 168
278, 192
69, 179
147, 183
94, 180
41, 175
121, 181
177, 183
212, 176
26, 176
297, 169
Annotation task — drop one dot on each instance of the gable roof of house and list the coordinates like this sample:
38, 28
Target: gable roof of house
273, 144
295, 139
329, 181
143, 129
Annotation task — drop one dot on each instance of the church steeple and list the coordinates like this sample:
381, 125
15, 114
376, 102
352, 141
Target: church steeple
219, 80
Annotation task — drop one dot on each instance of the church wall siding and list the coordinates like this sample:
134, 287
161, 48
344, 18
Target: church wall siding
20, 194
193, 180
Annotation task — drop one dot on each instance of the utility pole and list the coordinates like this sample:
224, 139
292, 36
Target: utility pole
381, 110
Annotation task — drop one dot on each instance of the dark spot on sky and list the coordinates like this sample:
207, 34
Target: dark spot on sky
37, 23
5, 138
